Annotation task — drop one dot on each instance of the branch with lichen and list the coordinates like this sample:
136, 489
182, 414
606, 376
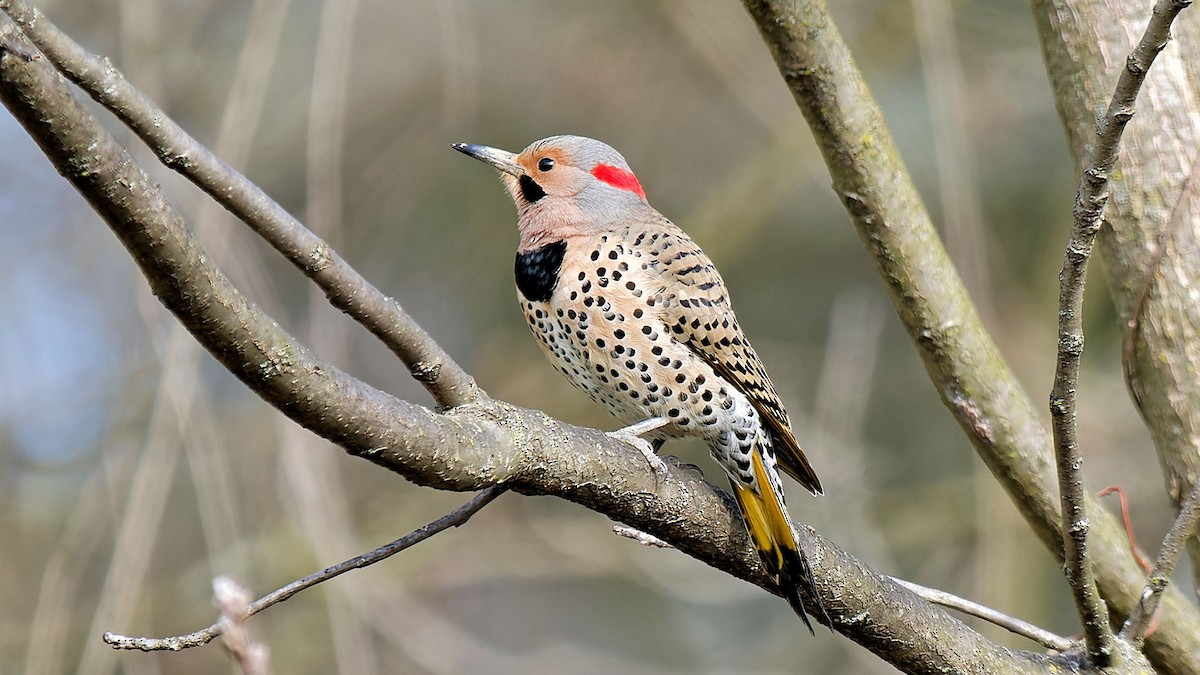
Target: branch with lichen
472, 446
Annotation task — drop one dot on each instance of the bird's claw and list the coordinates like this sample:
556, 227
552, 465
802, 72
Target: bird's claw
632, 435
656, 462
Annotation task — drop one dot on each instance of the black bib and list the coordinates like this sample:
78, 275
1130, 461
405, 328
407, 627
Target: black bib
537, 271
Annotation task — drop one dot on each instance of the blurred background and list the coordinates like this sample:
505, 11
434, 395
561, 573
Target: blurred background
133, 468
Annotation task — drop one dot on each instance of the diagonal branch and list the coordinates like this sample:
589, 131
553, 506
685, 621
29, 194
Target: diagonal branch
1089, 216
1009, 623
202, 637
1182, 529
346, 289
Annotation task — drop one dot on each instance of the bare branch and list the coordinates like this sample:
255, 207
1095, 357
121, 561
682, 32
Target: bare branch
1182, 529
313, 392
471, 446
966, 368
1012, 624
201, 637
1089, 216
346, 289
639, 536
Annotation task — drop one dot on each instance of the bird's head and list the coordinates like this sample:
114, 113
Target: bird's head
565, 185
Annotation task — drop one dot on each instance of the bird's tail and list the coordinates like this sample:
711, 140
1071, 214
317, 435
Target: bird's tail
771, 531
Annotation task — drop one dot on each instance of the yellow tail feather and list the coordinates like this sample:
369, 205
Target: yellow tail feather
771, 532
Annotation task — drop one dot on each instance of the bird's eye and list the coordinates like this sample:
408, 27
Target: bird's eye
545, 164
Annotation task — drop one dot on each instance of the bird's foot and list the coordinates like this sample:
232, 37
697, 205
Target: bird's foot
632, 435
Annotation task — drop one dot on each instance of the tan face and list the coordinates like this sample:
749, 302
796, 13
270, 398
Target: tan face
549, 169
564, 186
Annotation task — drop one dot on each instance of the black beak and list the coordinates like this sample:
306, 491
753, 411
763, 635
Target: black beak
501, 159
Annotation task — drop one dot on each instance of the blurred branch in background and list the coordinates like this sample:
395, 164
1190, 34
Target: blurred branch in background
233, 601
1137, 626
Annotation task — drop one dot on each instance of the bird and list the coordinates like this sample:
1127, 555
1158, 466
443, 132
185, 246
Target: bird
633, 313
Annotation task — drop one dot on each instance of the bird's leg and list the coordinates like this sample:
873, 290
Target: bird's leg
632, 435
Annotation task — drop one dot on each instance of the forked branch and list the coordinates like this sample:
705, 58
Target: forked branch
346, 289
1088, 217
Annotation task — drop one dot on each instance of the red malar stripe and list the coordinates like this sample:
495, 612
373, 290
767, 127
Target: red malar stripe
619, 178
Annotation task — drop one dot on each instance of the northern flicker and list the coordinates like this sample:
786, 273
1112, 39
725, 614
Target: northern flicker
635, 315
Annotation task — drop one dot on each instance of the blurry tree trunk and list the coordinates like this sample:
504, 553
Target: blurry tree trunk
1150, 243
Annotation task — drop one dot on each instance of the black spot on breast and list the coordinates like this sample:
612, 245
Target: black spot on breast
537, 271
530, 190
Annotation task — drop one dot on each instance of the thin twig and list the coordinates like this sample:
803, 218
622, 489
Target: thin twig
346, 289
1012, 624
639, 536
201, 637
1088, 217
1183, 528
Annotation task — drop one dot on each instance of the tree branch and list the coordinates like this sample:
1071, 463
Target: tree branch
1088, 217
471, 446
1150, 242
202, 637
346, 289
963, 362
1183, 529
1011, 624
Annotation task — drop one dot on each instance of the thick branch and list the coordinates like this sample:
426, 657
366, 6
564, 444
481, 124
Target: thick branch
964, 364
399, 435
343, 285
471, 446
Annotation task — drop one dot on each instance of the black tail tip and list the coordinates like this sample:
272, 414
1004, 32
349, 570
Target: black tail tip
793, 598
794, 577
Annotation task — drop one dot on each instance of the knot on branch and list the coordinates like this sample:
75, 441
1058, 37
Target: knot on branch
1071, 344
1058, 406
1134, 66
426, 373
1096, 175
320, 257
